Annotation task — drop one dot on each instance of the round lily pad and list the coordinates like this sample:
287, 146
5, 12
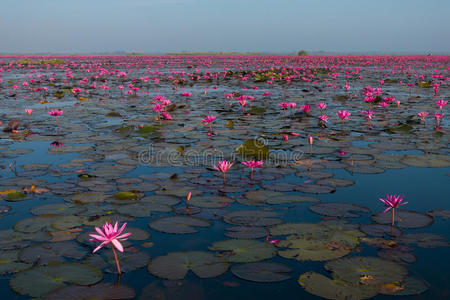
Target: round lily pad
315, 189
335, 182
175, 265
129, 261
408, 287
289, 198
10, 262
34, 224
397, 255
142, 209
127, 195
322, 286
46, 253
425, 239
211, 201
252, 218
336, 235
404, 219
178, 224
103, 290
244, 250
88, 197
246, 232
314, 250
366, 270
40, 280
380, 230
57, 209
262, 272
338, 209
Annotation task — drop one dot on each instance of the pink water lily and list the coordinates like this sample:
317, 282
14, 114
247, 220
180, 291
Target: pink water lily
223, 167
208, 120
252, 164
392, 202
422, 115
441, 103
111, 234
344, 115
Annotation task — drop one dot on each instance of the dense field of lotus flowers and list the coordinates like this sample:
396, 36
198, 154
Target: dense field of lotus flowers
218, 177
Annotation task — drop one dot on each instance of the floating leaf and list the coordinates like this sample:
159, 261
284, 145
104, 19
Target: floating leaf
262, 272
51, 252
408, 287
178, 224
253, 148
246, 232
315, 250
10, 262
252, 218
338, 209
322, 286
404, 219
380, 230
40, 280
103, 290
244, 250
175, 265
366, 270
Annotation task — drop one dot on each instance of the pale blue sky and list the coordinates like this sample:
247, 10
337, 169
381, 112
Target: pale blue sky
152, 26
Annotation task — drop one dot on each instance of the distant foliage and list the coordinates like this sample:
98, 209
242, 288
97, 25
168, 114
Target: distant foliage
302, 53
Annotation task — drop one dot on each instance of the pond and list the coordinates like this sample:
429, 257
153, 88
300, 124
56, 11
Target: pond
237, 177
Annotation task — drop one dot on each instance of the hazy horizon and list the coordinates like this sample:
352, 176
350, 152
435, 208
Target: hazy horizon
281, 27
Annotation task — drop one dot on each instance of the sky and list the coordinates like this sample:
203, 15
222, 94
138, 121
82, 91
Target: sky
275, 26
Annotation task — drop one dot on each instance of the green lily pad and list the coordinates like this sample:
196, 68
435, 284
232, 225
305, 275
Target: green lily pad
129, 261
408, 287
88, 197
246, 232
175, 265
380, 230
103, 290
34, 224
253, 148
252, 218
211, 201
404, 219
366, 270
337, 236
57, 209
126, 196
10, 262
244, 250
46, 253
178, 224
315, 189
314, 250
322, 286
142, 209
15, 196
338, 209
40, 280
262, 272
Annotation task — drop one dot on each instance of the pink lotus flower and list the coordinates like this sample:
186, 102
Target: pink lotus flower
252, 164
441, 103
223, 167
55, 113
422, 115
321, 106
28, 111
345, 114
166, 116
305, 108
111, 234
323, 119
208, 120
392, 202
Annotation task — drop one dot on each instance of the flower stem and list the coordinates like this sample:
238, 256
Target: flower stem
117, 261
393, 216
